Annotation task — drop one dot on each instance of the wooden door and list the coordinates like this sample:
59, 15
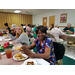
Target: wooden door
51, 20
44, 21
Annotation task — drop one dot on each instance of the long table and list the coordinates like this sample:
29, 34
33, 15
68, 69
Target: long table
64, 37
11, 61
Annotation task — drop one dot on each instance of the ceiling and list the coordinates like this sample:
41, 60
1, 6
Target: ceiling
27, 11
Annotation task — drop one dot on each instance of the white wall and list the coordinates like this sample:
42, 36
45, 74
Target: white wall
38, 18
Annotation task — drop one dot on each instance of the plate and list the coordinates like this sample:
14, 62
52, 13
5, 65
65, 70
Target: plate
30, 60
8, 39
24, 55
16, 48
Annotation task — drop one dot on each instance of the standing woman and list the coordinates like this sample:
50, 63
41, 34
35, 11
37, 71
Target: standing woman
44, 45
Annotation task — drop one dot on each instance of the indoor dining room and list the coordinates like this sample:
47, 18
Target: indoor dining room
37, 36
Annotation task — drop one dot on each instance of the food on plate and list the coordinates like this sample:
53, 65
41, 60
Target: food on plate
7, 37
30, 63
19, 56
70, 42
18, 48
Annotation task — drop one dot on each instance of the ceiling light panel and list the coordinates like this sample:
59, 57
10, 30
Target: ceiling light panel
17, 11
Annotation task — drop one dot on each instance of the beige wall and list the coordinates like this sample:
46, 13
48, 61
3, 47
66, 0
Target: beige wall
12, 18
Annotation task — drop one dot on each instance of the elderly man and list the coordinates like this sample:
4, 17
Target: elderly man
69, 29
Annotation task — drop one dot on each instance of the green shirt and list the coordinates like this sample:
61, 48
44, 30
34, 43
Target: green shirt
71, 29
34, 35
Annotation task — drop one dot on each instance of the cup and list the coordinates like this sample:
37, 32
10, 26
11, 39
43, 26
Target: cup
8, 53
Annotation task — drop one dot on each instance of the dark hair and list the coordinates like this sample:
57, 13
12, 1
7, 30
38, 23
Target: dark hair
52, 25
41, 28
6, 24
29, 25
21, 24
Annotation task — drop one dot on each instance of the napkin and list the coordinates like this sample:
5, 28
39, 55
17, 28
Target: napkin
0, 39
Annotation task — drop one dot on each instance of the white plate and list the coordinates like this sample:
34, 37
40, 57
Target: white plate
22, 55
8, 39
29, 60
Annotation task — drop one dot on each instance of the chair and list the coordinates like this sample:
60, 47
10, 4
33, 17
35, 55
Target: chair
51, 36
59, 50
70, 42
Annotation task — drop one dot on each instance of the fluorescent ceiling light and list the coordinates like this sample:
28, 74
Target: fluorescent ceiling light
17, 11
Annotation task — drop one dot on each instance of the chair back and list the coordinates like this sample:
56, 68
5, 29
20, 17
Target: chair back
51, 36
59, 50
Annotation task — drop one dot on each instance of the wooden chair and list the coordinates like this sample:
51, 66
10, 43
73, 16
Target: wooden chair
51, 36
72, 40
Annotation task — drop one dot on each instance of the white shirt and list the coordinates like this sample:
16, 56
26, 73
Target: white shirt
56, 32
24, 26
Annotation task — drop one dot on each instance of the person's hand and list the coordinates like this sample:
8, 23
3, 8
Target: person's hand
7, 31
68, 31
26, 50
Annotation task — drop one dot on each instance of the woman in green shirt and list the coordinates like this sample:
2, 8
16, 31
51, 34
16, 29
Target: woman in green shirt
34, 30
69, 29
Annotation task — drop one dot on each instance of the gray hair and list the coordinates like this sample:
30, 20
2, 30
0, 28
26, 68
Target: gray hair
14, 26
69, 24
56, 26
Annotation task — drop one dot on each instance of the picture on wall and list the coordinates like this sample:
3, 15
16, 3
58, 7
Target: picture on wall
63, 18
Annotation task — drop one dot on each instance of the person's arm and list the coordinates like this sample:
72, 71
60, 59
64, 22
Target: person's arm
64, 29
70, 31
22, 39
61, 33
12, 37
45, 55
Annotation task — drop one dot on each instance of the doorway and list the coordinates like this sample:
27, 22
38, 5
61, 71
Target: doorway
51, 20
44, 21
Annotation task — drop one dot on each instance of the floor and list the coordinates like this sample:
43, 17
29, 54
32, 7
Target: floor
70, 53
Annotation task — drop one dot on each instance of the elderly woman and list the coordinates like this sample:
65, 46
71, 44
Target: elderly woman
13, 29
69, 29
44, 46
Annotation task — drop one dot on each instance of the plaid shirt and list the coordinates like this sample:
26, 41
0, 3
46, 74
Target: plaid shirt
47, 42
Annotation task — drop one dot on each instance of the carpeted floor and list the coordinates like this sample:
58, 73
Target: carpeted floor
68, 61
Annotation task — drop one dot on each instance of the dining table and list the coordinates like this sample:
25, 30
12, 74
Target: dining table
65, 36
10, 61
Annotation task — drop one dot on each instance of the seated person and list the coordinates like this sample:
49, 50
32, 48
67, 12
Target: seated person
21, 36
28, 29
44, 46
24, 27
46, 27
52, 26
34, 30
56, 32
8, 28
69, 29
13, 30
